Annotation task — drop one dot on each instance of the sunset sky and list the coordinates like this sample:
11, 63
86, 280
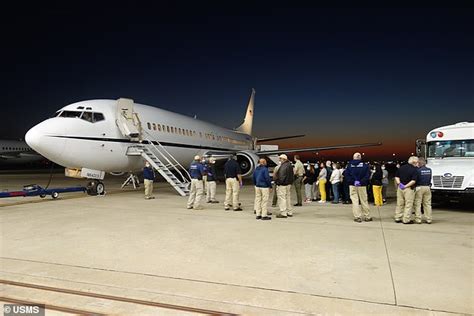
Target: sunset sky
338, 75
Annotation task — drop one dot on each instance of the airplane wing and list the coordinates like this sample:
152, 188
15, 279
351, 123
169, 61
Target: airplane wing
314, 149
278, 138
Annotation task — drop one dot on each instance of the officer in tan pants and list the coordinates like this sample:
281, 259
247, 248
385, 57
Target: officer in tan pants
263, 185
358, 174
423, 192
405, 178
233, 182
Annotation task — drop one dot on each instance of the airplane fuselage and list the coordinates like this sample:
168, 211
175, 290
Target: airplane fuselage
85, 135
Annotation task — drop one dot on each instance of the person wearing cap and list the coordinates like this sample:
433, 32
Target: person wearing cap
205, 166
298, 169
233, 182
358, 174
405, 178
148, 178
211, 181
423, 192
263, 185
196, 171
284, 179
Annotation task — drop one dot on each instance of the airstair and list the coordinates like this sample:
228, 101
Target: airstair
151, 150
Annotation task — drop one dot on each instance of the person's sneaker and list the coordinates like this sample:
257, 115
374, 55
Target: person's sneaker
189, 207
333, 202
274, 205
322, 201
227, 209
418, 222
407, 223
208, 202
214, 202
358, 220
297, 204
237, 209
314, 200
368, 219
269, 213
398, 221
289, 215
199, 208
266, 218
281, 216
428, 222
258, 217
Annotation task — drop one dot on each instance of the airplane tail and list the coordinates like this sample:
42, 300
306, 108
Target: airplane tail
246, 126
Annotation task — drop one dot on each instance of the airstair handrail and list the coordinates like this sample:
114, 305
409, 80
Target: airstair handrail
172, 163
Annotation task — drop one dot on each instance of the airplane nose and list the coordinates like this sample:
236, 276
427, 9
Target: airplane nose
45, 138
32, 138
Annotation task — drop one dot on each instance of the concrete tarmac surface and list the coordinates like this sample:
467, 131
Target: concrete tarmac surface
122, 254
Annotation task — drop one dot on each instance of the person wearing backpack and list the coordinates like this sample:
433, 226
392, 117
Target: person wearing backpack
284, 180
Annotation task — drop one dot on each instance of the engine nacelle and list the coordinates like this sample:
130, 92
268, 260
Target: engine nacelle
248, 162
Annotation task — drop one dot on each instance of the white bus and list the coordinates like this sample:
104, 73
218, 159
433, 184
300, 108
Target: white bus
449, 151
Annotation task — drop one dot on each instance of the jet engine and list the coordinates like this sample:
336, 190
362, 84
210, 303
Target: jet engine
247, 161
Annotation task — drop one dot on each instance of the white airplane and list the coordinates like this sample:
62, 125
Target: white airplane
115, 136
15, 152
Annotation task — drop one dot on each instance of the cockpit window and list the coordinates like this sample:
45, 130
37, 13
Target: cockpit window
86, 116
98, 117
56, 114
71, 114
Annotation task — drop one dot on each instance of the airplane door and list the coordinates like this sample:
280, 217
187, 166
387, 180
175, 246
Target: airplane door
127, 120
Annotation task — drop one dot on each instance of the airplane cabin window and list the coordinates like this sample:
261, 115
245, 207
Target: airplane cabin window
148, 125
167, 128
159, 127
154, 126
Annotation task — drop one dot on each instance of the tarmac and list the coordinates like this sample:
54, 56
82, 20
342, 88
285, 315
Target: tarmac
122, 254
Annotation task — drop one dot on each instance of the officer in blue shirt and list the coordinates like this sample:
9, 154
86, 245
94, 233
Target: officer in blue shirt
233, 182
423, 192
148, 178
357, 175
211, 185
263, 185
196, 171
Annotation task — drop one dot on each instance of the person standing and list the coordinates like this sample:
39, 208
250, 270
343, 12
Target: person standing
329, 193
233, 182
148, 178
298, 183
284, 179
205, 165
336, 178
384, 183
376, 182
196, 171
405, 178
309, 180
211, 181
321, 183
345, 187
358, 174
423, 192
263, 185
274, 186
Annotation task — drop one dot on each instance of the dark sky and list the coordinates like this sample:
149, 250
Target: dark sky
338, 75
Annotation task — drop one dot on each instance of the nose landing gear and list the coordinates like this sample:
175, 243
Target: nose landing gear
95, 187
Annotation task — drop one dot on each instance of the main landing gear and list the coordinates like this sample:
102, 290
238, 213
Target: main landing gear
95, 187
